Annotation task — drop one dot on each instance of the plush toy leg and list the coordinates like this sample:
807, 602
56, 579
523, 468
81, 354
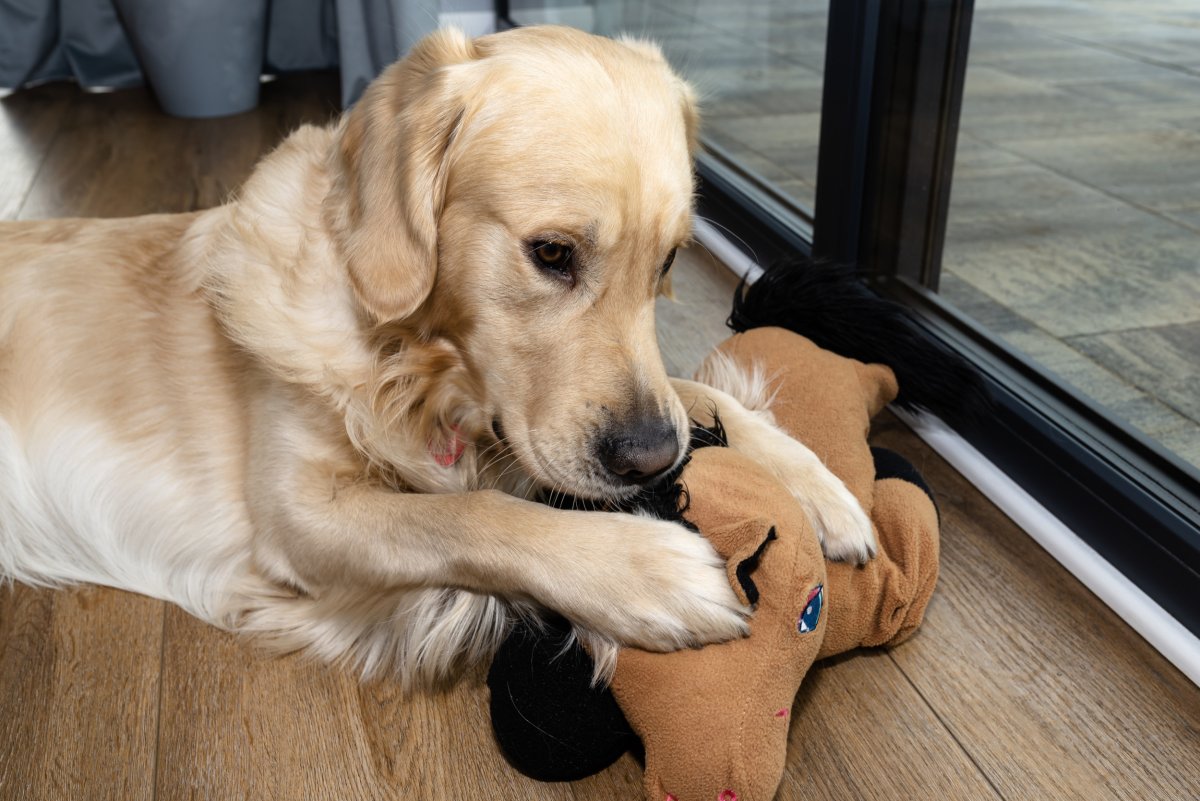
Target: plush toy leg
883, 602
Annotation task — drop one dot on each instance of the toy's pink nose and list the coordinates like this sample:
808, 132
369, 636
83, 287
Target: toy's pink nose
727, 795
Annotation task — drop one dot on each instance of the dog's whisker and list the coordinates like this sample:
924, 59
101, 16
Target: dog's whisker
503, 452
730, 233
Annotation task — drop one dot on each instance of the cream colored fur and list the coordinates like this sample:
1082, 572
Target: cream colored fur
235, 410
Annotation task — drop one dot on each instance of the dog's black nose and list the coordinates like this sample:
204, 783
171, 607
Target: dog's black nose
640, 453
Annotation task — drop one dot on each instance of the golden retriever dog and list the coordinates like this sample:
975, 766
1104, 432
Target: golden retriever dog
318, 412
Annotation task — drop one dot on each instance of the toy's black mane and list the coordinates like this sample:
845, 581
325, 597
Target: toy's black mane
832, 305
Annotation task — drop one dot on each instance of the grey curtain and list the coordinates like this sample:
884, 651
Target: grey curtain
204, 58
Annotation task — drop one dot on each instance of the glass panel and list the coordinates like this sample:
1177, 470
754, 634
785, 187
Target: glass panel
757, 65
1074, 225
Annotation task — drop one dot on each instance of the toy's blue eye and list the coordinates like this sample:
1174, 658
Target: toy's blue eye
812, 610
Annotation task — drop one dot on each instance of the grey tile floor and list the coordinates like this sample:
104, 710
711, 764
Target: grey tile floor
1074, 229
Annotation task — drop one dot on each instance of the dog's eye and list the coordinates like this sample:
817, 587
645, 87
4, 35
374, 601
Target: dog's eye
553, 256
666, 268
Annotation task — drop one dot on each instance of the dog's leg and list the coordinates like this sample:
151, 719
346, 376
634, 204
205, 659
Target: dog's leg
842, 525
634, 580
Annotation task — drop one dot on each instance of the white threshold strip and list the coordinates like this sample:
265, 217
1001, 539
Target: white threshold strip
725, 251
1166, 634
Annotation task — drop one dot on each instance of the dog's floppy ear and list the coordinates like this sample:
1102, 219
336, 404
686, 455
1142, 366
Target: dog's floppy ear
391, 175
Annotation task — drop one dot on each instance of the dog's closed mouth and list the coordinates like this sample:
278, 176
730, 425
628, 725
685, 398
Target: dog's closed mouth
664, 498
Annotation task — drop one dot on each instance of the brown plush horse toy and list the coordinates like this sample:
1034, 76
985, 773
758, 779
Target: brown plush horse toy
713, 721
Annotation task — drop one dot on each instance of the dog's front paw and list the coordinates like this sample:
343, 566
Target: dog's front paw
843, 527
841, 524
656, 586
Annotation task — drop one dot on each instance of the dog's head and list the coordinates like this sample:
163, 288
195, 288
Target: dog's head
521, 196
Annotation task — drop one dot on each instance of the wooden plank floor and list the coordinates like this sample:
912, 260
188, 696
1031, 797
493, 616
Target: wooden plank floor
1020, 686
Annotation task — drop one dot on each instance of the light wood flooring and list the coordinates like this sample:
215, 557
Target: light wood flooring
1021, 685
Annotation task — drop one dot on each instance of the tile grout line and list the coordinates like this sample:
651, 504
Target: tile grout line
1075, 179
1036, 327
1121, 53
745, 40
1066, 340
1130, 330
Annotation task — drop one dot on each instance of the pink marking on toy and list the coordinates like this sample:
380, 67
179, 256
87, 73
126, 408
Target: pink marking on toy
670, 797
727, 795
781, 713
451, 451
813, 594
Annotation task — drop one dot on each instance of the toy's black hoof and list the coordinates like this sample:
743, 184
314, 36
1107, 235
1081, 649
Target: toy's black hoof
549, 722
889, 464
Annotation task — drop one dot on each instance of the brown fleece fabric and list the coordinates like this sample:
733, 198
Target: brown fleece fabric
714, 721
